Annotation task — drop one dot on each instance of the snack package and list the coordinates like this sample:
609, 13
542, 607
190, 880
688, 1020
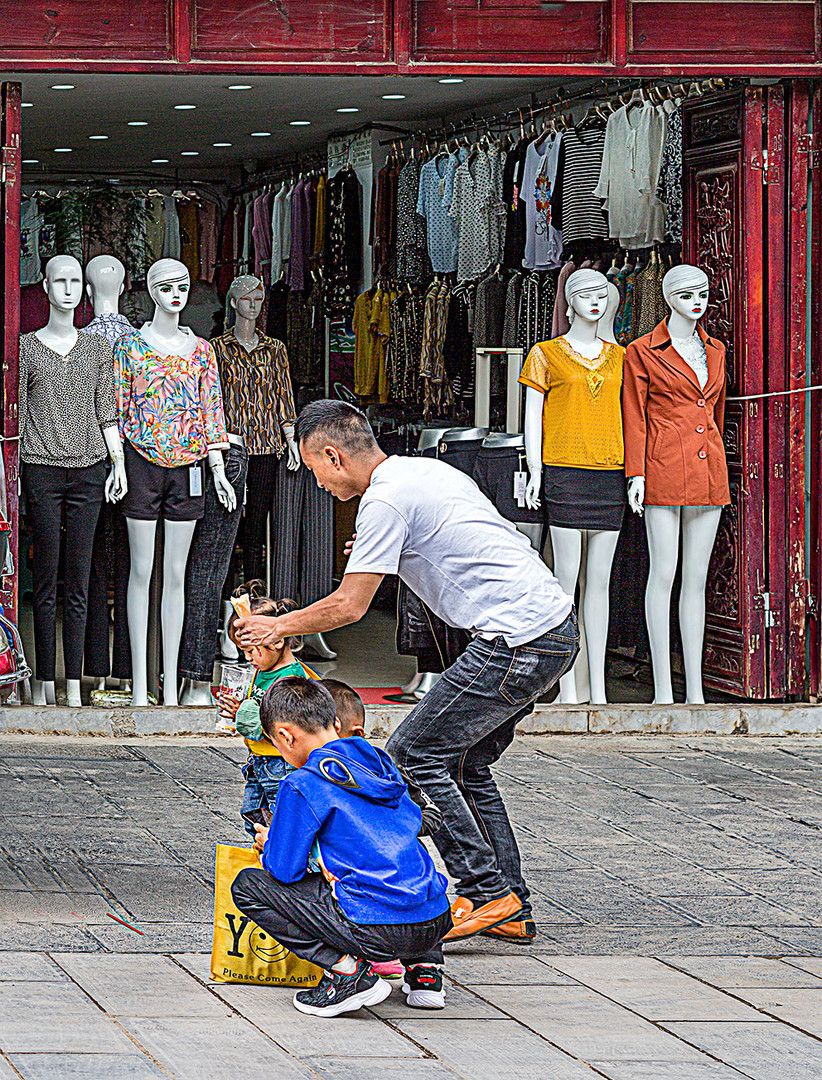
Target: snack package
242, 605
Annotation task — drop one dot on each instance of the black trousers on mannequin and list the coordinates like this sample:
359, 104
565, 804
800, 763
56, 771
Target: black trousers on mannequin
303, 531
110, 568
262, 472
52, 492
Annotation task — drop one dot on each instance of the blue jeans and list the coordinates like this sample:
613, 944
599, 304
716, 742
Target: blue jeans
449, 742
263, 774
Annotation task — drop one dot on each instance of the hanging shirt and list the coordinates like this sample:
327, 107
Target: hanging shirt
276, 265
320, 216
257, 395
412, 248
65, 402
170, 407
248, 241
577, 211
582, 414
433, 202
111, 325
31, 222
629, 175
470, 207
171, 228
299, 227
669, 188
366, 355
190, 239
543, 242
207, 212
261, 232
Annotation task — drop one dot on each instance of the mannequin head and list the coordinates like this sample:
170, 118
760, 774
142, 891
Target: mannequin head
686, 291
63, 282
105, 276
245, 296
605, 328
169, 282
587, 294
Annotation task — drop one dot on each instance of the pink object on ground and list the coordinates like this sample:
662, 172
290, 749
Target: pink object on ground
392, 969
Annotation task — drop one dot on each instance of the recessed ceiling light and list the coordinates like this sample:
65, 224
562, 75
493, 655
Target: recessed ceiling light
26, 104
299, 123
221, 144
349, 108
240, 86
159, 161
63, 149
185, 106
98, 136
189, 153
260, 134
31, 161
393, 97
138, 123
63, 86
451, 79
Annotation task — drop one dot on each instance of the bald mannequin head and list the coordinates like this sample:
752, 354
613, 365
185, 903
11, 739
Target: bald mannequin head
105, 276
63, 282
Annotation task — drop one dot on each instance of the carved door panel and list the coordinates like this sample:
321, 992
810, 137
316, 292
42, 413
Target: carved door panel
723, 233
10, 315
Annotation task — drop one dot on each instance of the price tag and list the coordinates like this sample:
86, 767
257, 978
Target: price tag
520, 483
195, 481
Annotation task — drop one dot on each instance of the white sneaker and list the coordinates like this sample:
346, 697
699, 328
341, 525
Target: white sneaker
423, 988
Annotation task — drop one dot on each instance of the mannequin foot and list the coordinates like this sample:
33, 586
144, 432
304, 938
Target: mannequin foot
318, 645
695, 699
663, 699
43, 693
99, 684
228, 650
568, 690
414, 684
197, 693
74, 699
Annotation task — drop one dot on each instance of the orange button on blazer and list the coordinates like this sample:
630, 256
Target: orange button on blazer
672, 427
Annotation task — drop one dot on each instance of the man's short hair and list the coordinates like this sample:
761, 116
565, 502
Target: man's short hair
296, 700
338, 423
349, 704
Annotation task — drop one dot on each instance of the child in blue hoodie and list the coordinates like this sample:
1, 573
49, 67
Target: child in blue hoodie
379, 895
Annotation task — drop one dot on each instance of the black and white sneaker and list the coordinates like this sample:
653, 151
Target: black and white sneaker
335, 994
422, 987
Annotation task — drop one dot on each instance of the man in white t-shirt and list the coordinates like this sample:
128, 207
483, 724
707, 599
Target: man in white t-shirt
430, 524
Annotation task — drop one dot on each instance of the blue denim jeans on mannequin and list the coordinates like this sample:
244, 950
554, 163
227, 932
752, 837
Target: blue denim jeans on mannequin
449, 742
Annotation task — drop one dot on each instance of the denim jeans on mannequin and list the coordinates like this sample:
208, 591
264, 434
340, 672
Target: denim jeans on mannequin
208, 562
461, 727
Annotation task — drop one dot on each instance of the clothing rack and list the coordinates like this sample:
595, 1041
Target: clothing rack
313, 159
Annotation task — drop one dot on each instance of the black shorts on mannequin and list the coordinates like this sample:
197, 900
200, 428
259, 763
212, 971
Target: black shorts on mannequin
155, 491
494, 471
584, 498
461, 455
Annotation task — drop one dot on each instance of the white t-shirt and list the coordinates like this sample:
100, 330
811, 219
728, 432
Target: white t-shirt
431, 524
543, 242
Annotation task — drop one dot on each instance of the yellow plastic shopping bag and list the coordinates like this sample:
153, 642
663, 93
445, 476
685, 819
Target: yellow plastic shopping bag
242, 951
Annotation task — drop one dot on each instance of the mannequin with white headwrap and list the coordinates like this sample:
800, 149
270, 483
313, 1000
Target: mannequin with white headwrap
586, 364
686, 488
168, 284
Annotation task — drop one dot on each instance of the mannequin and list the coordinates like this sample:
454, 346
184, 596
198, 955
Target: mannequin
171, 416
584, 467
68, 424
677, 469
105, 278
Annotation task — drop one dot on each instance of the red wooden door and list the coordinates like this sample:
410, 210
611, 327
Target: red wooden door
10, 316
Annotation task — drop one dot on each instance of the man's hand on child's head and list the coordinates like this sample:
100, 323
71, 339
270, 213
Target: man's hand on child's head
260, 838
257, 630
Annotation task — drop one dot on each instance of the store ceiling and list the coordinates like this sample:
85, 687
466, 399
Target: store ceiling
106, 105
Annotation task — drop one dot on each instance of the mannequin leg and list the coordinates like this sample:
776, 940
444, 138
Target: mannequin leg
662, 525
567, 545
532, 531
601, 548
699, 525
44, 487
175, 557
141, 537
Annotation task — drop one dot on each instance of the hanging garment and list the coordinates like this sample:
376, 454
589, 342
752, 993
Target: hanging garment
320, 216
345, 239
225, 253
624, 319
261, 234
384, 221
207, 211
489, 312
412, 249
629, 176
256, 386
511, 317
299, 225
669, 188
560, 323
536, 309
543, 241
305, 336
673, 426
578, 212
155, 228
405, 348
285, 248
171, 229
170, 407
31, 222
515, 227
650, 307
190, 239
470, 206
458, 348
247, 256
433, 203
302, 528
277, 210
365, 362
110, 325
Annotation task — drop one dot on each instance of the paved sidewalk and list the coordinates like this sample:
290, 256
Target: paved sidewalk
677, 885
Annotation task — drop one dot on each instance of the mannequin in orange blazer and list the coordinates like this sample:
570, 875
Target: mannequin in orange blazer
673, 413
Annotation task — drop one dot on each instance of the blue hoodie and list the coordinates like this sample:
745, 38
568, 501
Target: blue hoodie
350, 797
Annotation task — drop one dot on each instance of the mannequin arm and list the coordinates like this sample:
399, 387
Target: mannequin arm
225, 492
534, 402
293, 459
117, 483
636, 494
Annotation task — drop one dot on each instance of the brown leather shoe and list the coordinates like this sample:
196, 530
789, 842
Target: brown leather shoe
470, 920
522, 930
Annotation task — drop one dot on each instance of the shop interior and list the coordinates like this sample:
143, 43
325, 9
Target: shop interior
144, 167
